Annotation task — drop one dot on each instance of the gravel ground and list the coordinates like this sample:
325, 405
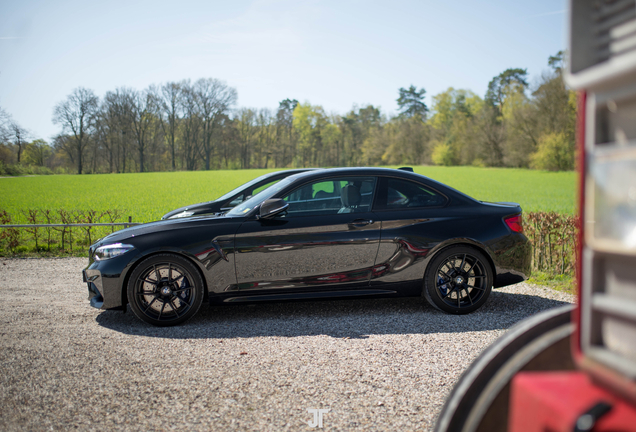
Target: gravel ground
375, 364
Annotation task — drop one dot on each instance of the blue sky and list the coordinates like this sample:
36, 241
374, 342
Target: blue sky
330, 53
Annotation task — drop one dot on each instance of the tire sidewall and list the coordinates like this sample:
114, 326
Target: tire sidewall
193, 274
430, 291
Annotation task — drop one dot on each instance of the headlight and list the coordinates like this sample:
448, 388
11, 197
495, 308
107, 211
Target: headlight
111, 251
182, 214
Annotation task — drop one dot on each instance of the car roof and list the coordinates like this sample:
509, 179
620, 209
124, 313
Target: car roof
392, 172
287, 173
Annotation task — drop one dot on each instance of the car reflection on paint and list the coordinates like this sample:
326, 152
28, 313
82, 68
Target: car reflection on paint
234, 197
327, 233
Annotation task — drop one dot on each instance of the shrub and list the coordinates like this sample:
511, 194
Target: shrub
554, 153
443, 155
553, 238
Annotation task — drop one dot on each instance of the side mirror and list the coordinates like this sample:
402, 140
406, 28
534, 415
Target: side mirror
272, 207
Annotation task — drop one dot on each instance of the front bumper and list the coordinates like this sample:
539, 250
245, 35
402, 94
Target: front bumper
94, 295
105, 282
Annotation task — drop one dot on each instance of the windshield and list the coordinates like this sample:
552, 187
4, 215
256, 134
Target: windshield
247, 185
256, 200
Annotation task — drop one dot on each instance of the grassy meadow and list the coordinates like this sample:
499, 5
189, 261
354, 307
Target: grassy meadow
147, 196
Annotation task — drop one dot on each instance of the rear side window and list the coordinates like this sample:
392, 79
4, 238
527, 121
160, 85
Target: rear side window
401, 194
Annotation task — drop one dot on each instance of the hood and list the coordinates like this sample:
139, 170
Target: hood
127, 234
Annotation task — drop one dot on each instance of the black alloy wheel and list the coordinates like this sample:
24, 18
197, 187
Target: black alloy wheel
165, 290
458, 280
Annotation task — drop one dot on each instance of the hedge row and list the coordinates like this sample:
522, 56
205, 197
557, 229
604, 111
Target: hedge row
553, 236
58, 241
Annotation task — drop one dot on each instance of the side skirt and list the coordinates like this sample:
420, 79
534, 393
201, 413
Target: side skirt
322, 295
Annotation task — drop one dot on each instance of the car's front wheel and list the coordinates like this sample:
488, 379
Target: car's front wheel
165, 290
458, 280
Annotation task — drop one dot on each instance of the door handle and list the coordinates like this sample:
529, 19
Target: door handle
360, 222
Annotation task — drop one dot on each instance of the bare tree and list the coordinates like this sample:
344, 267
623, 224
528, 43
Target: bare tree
65, 144
76, 116
12, 133
142, 115
116, 113
5, 121
191, 130
214, 98
169, 103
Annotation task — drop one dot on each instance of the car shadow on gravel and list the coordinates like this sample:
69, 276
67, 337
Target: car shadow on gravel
335, 318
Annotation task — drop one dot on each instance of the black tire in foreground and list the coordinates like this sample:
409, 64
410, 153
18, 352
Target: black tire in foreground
165, 290
458, 280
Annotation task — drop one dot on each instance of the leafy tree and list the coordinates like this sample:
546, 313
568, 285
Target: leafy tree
555, 104
411, 103
557, 61
309, 121
331, 136
37, 152
192, 126
505, 83
453, 122
374, 145
408, 142
247, 131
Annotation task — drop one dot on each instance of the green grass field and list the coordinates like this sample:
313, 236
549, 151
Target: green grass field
147, 196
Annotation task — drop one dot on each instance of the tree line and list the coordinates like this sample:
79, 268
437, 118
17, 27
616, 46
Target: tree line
196, 126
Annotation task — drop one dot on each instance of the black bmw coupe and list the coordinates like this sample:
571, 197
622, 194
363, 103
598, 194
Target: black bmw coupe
343, 232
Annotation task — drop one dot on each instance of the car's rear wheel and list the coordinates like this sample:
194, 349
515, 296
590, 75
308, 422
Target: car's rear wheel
458, 280
165, 290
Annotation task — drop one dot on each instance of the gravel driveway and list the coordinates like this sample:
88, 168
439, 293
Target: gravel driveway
374, 364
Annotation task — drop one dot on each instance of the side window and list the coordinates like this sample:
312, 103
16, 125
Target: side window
333, 196
400, 194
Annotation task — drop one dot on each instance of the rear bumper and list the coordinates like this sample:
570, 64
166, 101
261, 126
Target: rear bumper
513, 261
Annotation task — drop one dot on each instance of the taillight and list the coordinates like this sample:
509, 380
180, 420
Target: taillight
514, 223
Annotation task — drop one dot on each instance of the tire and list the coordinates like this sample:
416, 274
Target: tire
458, 280
165, 290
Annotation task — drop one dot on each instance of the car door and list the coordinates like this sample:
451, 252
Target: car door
327, 237
411, 214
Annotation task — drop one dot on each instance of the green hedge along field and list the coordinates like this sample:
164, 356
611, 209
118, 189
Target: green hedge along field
147, 196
